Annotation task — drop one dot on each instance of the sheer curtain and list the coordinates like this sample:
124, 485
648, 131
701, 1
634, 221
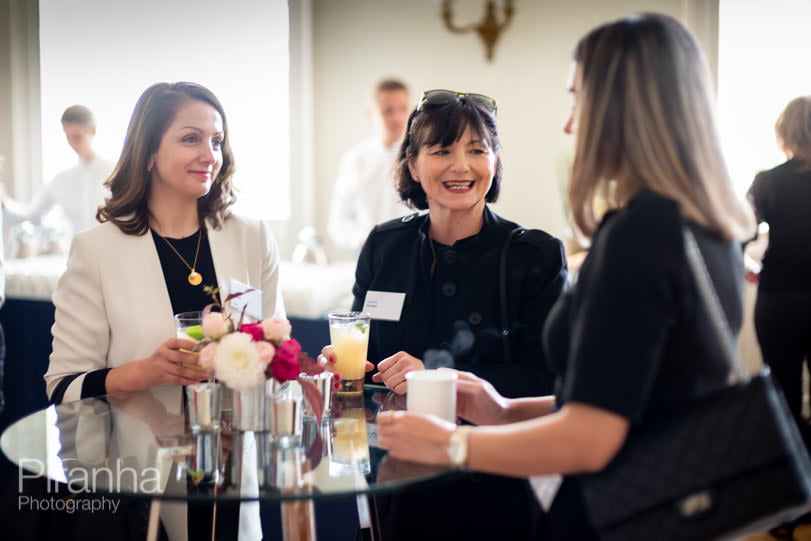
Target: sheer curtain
104, 53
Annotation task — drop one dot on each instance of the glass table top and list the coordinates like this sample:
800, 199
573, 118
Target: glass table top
139, 444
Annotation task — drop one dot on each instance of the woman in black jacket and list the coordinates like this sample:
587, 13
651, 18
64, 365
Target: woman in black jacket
448, 261
452, 264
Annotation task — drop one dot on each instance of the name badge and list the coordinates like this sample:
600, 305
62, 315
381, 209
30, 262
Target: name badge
251, 301
384, 305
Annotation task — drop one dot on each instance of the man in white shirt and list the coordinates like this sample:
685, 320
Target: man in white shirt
364, 193
78, 190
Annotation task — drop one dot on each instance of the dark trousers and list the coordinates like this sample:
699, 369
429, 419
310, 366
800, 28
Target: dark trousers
783, 325
474, 506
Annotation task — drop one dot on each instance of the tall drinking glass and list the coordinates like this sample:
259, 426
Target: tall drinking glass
188, 325
349, 334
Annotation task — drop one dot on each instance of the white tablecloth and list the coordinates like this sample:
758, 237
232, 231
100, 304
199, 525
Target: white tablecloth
309, 290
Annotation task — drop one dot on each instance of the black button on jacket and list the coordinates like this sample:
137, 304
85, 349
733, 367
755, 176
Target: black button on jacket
454, 316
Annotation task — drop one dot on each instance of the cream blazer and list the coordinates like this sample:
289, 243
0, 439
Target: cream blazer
112, 305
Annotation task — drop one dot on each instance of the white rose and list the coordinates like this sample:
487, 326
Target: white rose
237, 363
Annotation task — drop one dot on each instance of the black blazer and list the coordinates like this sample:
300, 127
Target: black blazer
453, 319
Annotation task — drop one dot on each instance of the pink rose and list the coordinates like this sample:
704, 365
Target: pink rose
277, 329
288, 350
207, 356
265, 350
254, 329
285, 365
215, 325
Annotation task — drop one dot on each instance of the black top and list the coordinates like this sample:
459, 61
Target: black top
782, 198
633, 337
453, 319
184, 296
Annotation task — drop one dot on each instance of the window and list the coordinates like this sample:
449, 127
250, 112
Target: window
762, 65
103, 54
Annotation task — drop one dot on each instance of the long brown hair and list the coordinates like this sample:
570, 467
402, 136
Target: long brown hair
131, 179
646, 121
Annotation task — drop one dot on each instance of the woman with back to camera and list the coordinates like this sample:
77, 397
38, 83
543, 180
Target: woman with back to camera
631, 339
782, 198
167, 231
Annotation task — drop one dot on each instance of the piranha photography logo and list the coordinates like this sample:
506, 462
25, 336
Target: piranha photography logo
82, 489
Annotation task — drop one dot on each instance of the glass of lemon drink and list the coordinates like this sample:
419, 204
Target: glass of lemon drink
349, 334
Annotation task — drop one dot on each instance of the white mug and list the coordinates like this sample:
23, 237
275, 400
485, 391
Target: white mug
432, 391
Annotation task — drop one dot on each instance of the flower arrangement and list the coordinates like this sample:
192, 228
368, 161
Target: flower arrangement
242, 355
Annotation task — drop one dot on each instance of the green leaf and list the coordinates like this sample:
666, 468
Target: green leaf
195, 331
362, 327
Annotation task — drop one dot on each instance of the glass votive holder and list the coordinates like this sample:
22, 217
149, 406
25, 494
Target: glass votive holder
286, 413
204, 405
325, 384
205, 461
251, 407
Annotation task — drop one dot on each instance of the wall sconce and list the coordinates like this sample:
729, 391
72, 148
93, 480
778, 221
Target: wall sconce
489, 28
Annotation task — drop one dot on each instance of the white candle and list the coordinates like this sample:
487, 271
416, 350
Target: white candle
284, 409
203, 403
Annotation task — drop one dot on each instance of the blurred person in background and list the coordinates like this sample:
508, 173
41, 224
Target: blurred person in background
77, 191
782, 198
364, 194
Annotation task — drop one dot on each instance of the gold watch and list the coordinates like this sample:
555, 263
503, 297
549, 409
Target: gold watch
457, 447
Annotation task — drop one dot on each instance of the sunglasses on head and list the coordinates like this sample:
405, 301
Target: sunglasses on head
444, 97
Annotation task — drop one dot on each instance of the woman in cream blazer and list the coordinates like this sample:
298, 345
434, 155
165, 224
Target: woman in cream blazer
112, 304
114, 327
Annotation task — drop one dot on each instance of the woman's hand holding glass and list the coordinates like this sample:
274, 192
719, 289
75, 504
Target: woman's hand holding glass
415, 437
164, 366
328, 356
478, 402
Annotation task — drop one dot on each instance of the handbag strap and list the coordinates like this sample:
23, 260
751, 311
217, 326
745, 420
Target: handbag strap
710, 299
502, 292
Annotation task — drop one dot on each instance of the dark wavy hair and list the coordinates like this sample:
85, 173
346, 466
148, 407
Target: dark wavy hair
131, 179
443, 124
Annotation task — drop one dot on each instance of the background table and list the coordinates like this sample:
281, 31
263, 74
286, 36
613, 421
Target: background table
310, 291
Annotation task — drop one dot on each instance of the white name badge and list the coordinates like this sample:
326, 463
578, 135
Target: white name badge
385, 305
251, 301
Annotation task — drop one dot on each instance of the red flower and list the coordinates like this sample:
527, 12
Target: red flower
254, 329
285, 365
288, 350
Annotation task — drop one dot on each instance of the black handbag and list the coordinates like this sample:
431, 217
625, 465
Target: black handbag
729, 464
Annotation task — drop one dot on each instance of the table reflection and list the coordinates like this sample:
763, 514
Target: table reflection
141, 444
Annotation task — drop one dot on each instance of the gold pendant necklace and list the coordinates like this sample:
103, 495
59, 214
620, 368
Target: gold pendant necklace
194, 278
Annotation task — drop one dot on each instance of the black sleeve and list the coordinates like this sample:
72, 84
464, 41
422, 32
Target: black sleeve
93, 385
625, 312
544, 277
758, 194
